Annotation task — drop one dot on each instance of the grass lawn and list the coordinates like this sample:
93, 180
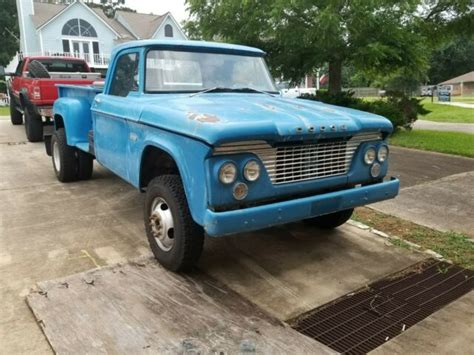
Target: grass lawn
454, 246
4, 111
467, 99
443, 142
446, 113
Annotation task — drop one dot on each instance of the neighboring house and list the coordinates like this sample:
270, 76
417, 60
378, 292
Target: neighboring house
462, 85
78, 30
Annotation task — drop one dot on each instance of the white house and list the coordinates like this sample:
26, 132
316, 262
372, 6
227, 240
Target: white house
75, 29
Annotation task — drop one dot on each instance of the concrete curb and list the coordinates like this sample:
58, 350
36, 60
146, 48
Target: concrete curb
413, 246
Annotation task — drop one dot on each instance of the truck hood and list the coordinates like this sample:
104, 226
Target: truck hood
224, 117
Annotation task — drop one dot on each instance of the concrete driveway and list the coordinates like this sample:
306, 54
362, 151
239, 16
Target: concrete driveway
50, 230
437, 190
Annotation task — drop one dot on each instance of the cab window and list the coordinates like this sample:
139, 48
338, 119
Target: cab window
125, 77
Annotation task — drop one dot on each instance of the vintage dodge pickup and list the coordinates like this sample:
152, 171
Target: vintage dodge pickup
201, 128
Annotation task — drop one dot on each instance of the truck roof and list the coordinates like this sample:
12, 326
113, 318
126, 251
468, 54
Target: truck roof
197, 46
39, 57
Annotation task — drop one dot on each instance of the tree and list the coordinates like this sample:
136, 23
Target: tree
8, 31
111, 6
377, 36
453, 59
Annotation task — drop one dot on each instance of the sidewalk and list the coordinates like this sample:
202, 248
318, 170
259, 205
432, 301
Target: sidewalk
445, 126
458, 104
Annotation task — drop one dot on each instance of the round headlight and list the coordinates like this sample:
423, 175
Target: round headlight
252, 170
228, 173
382, 154
375, 170
370, 155
240, 191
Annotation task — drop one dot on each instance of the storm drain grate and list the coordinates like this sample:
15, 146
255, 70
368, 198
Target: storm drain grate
360, 322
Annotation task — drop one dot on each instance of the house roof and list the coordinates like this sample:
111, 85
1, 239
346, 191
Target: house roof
136, 25
117, 26
44, 12
468, 77
143, 25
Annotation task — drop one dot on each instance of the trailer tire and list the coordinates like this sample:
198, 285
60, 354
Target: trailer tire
64, 157
15, 116
38, 70
33, 126
332, 220
175, 239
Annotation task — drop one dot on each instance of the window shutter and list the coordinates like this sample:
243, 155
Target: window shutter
66, 48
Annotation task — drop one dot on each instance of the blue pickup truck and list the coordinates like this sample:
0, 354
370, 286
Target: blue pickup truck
202, 130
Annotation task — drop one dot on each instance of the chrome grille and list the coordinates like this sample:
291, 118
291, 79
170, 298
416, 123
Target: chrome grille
285, 164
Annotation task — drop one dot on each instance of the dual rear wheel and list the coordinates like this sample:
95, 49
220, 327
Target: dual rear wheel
69, 163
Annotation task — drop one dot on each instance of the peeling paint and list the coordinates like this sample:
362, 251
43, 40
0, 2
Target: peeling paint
203, 117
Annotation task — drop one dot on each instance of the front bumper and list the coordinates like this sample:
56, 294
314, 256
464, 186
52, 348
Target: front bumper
254, 218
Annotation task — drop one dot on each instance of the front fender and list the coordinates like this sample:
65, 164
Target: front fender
76, 116
189, 155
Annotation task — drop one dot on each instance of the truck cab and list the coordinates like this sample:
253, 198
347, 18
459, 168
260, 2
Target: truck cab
201, 129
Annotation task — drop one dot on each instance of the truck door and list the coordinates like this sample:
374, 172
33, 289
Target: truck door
112, 110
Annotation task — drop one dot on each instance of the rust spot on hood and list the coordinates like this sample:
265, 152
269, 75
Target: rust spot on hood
203, 117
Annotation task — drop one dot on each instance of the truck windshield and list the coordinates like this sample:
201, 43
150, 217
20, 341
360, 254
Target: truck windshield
178, 71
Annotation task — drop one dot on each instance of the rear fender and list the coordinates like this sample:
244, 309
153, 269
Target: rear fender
76, 118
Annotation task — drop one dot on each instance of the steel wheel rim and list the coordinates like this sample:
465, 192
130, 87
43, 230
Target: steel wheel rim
56, 158
161, 224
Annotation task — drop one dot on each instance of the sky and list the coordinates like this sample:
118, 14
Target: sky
158, 7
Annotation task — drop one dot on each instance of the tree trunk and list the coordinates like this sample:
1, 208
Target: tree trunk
335, 76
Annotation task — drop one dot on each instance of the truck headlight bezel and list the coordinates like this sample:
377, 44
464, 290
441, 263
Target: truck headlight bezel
382, 153
370, 155
227, 173
252, 170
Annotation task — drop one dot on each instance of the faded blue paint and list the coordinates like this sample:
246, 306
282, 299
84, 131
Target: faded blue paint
254, 218
187, 127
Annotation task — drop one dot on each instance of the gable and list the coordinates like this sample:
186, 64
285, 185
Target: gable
169, 20
64, 14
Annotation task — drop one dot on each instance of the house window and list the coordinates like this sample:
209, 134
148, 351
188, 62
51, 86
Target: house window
78, 28
80, 41
168, 31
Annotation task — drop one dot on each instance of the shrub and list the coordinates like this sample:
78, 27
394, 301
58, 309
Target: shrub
400, 109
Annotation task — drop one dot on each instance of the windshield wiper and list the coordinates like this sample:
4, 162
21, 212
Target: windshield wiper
223, 89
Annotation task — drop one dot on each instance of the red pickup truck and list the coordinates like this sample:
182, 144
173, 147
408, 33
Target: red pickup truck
33, 89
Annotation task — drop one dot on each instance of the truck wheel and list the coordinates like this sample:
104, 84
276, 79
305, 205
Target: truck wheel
65, 162
332, 220
33, 126
15, 116
175, 239
38, 70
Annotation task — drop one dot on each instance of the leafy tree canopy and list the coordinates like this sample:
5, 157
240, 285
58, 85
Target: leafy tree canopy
8, 31
452, 59
374, 36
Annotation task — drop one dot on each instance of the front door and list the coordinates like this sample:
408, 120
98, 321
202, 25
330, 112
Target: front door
81, 49
111, 112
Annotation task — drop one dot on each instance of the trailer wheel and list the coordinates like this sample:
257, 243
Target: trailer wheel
65, 162
175, 239
332, 220
38, 70
33, 126
15, 116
